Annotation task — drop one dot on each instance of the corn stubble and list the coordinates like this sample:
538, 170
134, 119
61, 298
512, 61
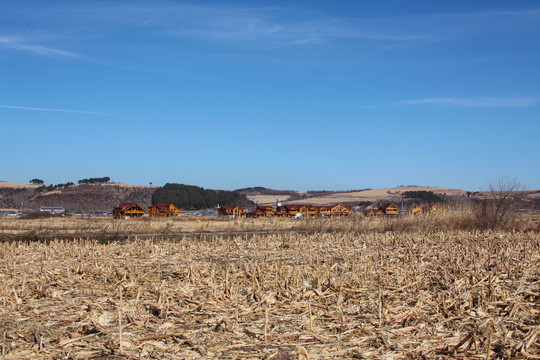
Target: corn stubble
327, 290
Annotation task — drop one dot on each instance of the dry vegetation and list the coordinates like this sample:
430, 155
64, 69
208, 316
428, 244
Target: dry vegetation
372, 195
412, 288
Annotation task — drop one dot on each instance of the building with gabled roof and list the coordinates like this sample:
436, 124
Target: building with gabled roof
267, 210
390, 209
255, 214
416, 210
289, 210
335, 210
164, 210
309, 210
325, 210
233, 211
373, 212
128, 210
340, 210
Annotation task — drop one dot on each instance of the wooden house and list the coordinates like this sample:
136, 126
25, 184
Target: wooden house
290, 210
232, 211
416, 210
255, 214
128, 210
267, 210
390, 209
304, 210
373, 212
312, 210
340, 210
164, 210
325, 211
281, 213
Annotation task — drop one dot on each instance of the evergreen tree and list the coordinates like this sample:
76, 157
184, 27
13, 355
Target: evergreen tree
194, 197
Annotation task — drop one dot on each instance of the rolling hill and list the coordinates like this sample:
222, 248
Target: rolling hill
77, 198
105, 196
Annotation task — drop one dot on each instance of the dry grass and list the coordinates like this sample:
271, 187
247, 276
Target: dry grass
108, 229
268, 199
372, 195
97, 228
327, 289
6, 184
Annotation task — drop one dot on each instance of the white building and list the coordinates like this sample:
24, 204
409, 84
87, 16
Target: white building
56, 210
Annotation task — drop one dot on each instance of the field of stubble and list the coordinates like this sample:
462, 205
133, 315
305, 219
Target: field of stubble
236, 289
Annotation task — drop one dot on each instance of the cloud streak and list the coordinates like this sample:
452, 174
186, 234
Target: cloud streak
290, 25
55, 110
17, 43
481, 102
115, 33
266, 25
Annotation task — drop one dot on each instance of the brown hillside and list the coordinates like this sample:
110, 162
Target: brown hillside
371, 195
104, 197
77, 198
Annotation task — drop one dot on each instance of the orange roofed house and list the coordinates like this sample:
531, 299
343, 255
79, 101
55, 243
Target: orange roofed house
373, 212
291, 210
309, 210
287, 210
262, 211
268, 210
164, 210
255, 214
234, 211
335, 210
340, 210
390, 209
128, 210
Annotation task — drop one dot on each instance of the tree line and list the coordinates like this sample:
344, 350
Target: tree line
195, 197
100, 180
53, 187
424, 196
96, 180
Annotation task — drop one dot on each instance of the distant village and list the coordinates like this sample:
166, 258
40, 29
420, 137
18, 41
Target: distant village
294, 211
134, 210
190, 196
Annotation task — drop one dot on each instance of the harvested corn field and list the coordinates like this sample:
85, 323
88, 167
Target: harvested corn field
317, 295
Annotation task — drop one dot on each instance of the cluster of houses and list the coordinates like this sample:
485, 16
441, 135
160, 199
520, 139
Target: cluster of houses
287, 211
386, 209
393, 210
134, 210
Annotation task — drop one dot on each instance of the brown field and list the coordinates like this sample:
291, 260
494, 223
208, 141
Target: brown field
372, 195
410, 288
6, 184
268, 199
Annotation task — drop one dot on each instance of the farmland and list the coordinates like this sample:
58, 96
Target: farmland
413, 287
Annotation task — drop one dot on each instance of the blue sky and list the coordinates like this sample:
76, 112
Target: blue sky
304, 95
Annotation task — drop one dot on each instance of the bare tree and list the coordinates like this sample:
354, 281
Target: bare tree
498, 210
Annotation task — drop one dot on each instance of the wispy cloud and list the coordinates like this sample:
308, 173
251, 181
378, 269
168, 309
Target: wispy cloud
20, 44
100, 29
509, 102
293, 25
55, 110
283, 25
